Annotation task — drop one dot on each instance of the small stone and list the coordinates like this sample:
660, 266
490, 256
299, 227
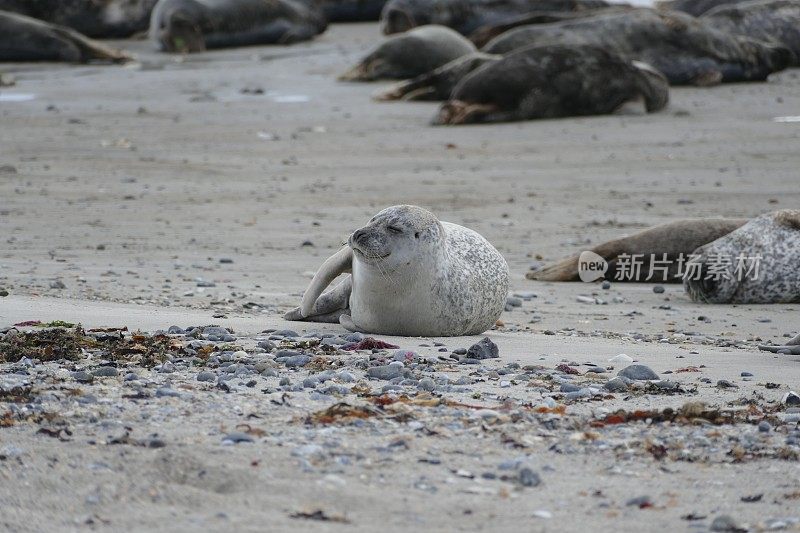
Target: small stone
658, 289
640, 501
512, 301
236, 437
541, 513
606, 285
285, 382
638, 372
167, 368
105, 372
621, 359
426, 384
764, 426
206, 376
791, 398
82, 376
385, 372
176, 330
131, 376
57, 284
725, 384
726, 523
616, 385
166, 392
485, 349
746, 374
285, 333
298, 360
528, 478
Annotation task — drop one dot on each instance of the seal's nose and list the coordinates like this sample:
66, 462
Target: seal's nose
359, 236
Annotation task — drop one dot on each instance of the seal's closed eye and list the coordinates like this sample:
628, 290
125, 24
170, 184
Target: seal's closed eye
394, 229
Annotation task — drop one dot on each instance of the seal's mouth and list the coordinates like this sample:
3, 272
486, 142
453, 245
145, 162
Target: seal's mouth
371, 257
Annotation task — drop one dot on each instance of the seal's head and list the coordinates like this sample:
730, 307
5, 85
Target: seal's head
757, 263
402, 15
397, 236
176, 26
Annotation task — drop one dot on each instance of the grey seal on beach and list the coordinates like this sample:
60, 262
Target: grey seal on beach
93, 18
549, 82
685, 49
695, 7
465, 16
410, 54
718, 260
412, 275
196, 25
772, 21
773, 238
675, 239
27, 39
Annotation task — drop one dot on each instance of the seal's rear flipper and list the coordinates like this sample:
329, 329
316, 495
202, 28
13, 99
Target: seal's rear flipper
347, 323
338, 263
653, 85
564, 270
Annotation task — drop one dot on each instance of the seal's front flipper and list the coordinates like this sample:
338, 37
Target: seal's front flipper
347, 323
327, 307
794, 342
338, 263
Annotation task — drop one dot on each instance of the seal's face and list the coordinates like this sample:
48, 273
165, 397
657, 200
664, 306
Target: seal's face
757, 263
396, 237
402, 15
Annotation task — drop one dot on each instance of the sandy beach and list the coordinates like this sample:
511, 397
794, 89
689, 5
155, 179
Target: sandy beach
205, 190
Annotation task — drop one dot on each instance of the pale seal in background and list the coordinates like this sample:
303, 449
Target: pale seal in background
411, 275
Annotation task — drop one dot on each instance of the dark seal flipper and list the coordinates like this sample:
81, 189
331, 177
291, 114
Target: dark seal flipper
654, 86
26, 39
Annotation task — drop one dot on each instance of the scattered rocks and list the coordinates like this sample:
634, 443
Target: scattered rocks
485, 349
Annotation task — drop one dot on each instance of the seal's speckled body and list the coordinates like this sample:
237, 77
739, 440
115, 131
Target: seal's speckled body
775, 239
411, 275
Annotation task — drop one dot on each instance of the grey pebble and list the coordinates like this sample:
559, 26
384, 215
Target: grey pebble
485, 349
385, 372
82, 376
616, 385
236, 437
206, 376
638, 372
105, 372
528, 478
726, 523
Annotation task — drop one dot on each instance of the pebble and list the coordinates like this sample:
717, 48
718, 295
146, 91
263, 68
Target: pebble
298, 360
616, 385
385, 372
725, 384
528, 478
791, 398
726, 523
606, 285
485, 349
166, 392
638, 372
541, 513
426, 384
236, 437
105, 372
621, 359
764, 426
206, 376
82, 376
658, 289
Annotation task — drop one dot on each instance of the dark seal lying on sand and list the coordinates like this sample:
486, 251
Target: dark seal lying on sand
196, 25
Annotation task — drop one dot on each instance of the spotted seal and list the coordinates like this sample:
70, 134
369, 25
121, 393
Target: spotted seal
668, 242
411, 275
411, 54
27, 39
466, 16
687, 50
552, 81
773, 21
196, 25
773, 239
93, 18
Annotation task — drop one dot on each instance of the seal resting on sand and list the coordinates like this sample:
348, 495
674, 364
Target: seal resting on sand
196, 25
411, 54
465, 16
675, 239
685, 49
411, 275
772, 238
552, 81
93, 18
772, 21
26, 39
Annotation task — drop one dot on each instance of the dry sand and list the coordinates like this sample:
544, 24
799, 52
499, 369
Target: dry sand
129, 184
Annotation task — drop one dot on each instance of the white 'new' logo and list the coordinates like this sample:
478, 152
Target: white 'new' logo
591, 266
